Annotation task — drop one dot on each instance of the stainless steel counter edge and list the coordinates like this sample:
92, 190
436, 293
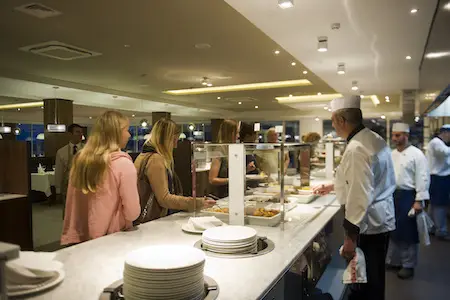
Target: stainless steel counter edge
93, 265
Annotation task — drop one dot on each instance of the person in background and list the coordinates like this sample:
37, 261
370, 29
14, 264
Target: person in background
159, 187
438, 154
63, 163
364, 184
413, 179
102, 196
247, 134
268, 156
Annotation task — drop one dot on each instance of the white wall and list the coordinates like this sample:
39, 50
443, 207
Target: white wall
311, 125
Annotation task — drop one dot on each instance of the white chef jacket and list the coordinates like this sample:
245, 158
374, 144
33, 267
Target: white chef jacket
411, 171
438, 155
62, 166
365, 183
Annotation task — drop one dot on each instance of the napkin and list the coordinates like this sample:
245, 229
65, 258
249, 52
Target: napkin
203, 223
31, 270
356, 269
41, 170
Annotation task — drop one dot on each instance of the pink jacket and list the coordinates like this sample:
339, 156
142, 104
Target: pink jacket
112, 208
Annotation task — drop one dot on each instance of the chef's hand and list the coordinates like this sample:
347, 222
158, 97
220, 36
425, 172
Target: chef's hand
208, 202
349, 249
323, 189
418, 206
251, 166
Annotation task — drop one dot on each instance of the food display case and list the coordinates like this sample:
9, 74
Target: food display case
326, 157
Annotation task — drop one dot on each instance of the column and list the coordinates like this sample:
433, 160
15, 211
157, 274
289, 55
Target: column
426, 132
408, 104
310, 125
157, 115
215, 127
388, 131
58, 111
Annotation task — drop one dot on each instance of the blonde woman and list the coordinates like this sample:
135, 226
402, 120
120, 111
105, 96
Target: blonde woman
158, 185
102, 196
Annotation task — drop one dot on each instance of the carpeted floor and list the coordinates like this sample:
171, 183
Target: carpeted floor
47, 226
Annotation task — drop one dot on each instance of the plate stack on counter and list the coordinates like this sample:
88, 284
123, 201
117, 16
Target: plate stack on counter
230, 240
164, 272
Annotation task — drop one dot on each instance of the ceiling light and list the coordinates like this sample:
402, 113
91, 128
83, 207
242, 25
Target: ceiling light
416, 119
144, 123
383, 117
277, 52
387, 97
241, 87
17, 131
5, 129
414, 10
127, 46
325, 107
290, 95
317, 119
341, 68
209, 84
191, 127
319, 94
388, 100
437, 54
323, 44
355, 85
329, 109
308, 98
375, 100
305, 72
22, 105
256, 106
293, 63
446, 6
362, 96
56, 127
284, 4
205, 81
408, 57
239, 102
218, 98
18, 109
90, 118
42, 107
133, 116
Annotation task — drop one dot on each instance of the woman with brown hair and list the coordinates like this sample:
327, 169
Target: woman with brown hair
102, 196
159, 188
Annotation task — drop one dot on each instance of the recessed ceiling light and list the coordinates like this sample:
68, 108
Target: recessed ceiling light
293, 63
290, 95
42, 107
256, 106
203, 46
18, 109
362, 96
218, 98
414, 10
241, 87
133, 116
375, 100
317, 119
308, 98
319, 93
325, 107
417, 119
284, 4
387, 99
446, 6
408, 57
437, 54
277, 52
383, 117
90, 118
355, 86
127, 46
239, 102
323, 44
329, 109
341, 68
209, 84
305, 72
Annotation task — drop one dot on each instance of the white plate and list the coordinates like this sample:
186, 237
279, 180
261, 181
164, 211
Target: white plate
165, 257
42, 287
230, 234
186, 227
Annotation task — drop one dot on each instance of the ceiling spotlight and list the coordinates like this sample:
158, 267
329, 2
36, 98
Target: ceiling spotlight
209, 84
387, 99
375, 100
133, 116
319, 93
290, 95
144, 123
127, 46
317, 119
355, 85
90, 118
18, 109
408, 57
362, 96
323, 44
325, 107
277, 52
417, 119
42, 107
256, 106
218, 98
414, 10
329, 109
446, 6
191, 127
293, 63
438, 54
383, 117
284, 4
305, 72
341, 68
17, 131
239, 102
205, 81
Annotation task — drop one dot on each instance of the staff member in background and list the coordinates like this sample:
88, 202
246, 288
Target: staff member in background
267, 155
364, 184
413, 179
64, 158
438, 154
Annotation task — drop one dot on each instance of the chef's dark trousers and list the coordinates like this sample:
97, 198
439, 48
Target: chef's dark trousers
375, 248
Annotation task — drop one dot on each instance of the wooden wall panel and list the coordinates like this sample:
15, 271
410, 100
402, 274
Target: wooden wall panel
14, 170
63, 110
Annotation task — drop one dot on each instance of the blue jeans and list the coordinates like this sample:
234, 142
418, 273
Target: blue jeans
440, 219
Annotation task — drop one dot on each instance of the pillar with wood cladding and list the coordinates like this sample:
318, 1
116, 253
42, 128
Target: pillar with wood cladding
157, 115
57, 111
408, 105
215, 127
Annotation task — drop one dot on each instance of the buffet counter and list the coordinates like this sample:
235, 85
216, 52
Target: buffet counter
94, 265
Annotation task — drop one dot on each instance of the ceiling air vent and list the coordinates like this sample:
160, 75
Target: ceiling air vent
38, 10
58, 50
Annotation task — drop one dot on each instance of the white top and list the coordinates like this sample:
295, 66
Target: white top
411, 171
400, 127
365, 183
438, 155
345, 102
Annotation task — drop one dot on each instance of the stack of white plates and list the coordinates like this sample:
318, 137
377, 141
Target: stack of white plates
164, 272
230, 240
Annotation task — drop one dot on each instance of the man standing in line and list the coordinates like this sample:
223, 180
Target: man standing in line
267, 155
438, 154
413, 180
364, 184
64, 158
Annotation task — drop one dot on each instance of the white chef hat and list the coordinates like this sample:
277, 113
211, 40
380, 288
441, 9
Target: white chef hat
400, 127
445, 127
345, 102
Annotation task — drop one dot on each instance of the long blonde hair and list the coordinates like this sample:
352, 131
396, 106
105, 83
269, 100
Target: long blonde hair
162, 140
227, 131
91, 163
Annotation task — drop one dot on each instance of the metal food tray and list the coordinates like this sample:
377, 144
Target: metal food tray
114, 291
249, 220
264, 246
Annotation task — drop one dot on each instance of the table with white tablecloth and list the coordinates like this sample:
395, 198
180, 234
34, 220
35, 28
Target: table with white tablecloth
43, 182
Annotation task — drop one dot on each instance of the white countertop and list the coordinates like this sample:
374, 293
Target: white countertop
92, 266
11, 196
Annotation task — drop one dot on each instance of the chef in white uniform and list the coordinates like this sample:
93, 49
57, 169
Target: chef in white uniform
413, 180
364, 184
438, 154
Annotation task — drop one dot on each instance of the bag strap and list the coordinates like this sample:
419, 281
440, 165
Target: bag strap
143, 167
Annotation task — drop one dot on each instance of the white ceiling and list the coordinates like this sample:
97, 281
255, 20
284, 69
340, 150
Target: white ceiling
373, 41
